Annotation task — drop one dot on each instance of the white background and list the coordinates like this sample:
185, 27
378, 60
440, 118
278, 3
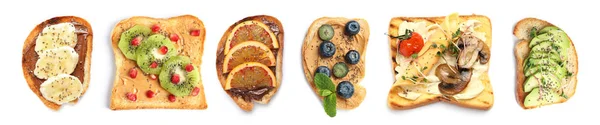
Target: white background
295, 103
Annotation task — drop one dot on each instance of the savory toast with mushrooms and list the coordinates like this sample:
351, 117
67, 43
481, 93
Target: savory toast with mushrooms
249, 60
440, 59
158, 63
547, 64
336, 47
56, 60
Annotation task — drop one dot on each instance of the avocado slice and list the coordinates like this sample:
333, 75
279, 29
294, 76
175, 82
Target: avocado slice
535, 99
562, 40
545, 46
539, 38
548, 28
535, 62
547, 80
544, 55
559, 71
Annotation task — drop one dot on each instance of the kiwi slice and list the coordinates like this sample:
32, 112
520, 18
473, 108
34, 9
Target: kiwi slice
179, 76
154, 52
125, 43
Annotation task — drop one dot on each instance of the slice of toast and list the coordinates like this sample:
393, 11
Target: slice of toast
344, 43
522, 31
483, 101
83, 48
187, 45
277, 28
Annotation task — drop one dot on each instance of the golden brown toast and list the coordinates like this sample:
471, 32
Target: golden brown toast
522, 31
277, 29
311, 58
83, 48
188, 45
484, 100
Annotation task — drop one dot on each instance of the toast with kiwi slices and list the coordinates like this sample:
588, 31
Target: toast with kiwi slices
158, 63
249, 60
333, 54
440, 59
547, 64
56, 60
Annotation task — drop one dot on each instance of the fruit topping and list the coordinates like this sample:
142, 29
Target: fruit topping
326, 32
352, 28
327, 49
251, 31
250, 51
195, 32
195, 91
56, 61
174, 79
56, 36
61, 89
172, 98
345, 89
164, 50
136, 41
155, 28
352, 57
340, 69
153, 65
131, 39
174, 38
133, 72
149, 94
324, 70
249, 76
131, 96
189, 67
410, 43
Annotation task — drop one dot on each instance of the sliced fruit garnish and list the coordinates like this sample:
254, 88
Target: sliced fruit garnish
250, 75
175, 79
131, 96
250, 51
61, 89
149, 93
133, 73
251, 31
172, 98
174, 38
195, 91
195, 32
155, 28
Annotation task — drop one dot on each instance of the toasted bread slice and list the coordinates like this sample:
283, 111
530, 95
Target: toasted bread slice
188, 45
344, 43
277, 28
83, 48
483, 101
522, 31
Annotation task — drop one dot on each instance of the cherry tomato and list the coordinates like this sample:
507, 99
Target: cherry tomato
412, 45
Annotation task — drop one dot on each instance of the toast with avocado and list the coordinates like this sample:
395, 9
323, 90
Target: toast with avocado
333, 59
440, 59
56, 60
547, 64
158, 63
249, 60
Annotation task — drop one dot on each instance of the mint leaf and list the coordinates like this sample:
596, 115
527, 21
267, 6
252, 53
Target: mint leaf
329, 103
323, 82
324, 93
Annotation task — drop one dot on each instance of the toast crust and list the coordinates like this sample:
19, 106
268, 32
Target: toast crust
277, 29
29, 44
484, 101
311, 59
521, 31
191, 46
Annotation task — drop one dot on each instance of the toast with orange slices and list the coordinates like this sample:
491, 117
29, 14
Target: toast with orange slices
158, 63
440, 59
249, 60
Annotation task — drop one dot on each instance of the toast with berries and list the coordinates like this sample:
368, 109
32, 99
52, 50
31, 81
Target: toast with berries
158, 63
440, 59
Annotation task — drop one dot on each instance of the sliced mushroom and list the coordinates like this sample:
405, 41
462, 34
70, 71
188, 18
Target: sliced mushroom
472, 48
453, 80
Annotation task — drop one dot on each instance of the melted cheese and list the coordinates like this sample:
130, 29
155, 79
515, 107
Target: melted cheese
475, 86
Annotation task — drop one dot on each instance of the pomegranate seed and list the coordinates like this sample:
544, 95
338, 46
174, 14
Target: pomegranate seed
195, 33
189, 67
131, 96
164, 50
195, 91
174, 38
149, 94
136, 41
153, 65
152, 76
133, 72
175, 78
172, 98
155, 28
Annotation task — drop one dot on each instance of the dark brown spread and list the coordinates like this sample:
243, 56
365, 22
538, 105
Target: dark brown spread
30, 57
250, 94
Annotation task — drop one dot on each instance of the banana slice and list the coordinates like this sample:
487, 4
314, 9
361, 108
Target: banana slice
55, 36
61, 89
56, 61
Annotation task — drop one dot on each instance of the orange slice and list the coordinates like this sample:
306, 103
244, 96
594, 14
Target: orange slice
250, 75
251, 31
249, 51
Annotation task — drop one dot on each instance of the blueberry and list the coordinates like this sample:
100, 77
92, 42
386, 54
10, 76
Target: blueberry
352, 57
340, 70
352, 28
327, 49
326, 32
345, 89
324, 70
